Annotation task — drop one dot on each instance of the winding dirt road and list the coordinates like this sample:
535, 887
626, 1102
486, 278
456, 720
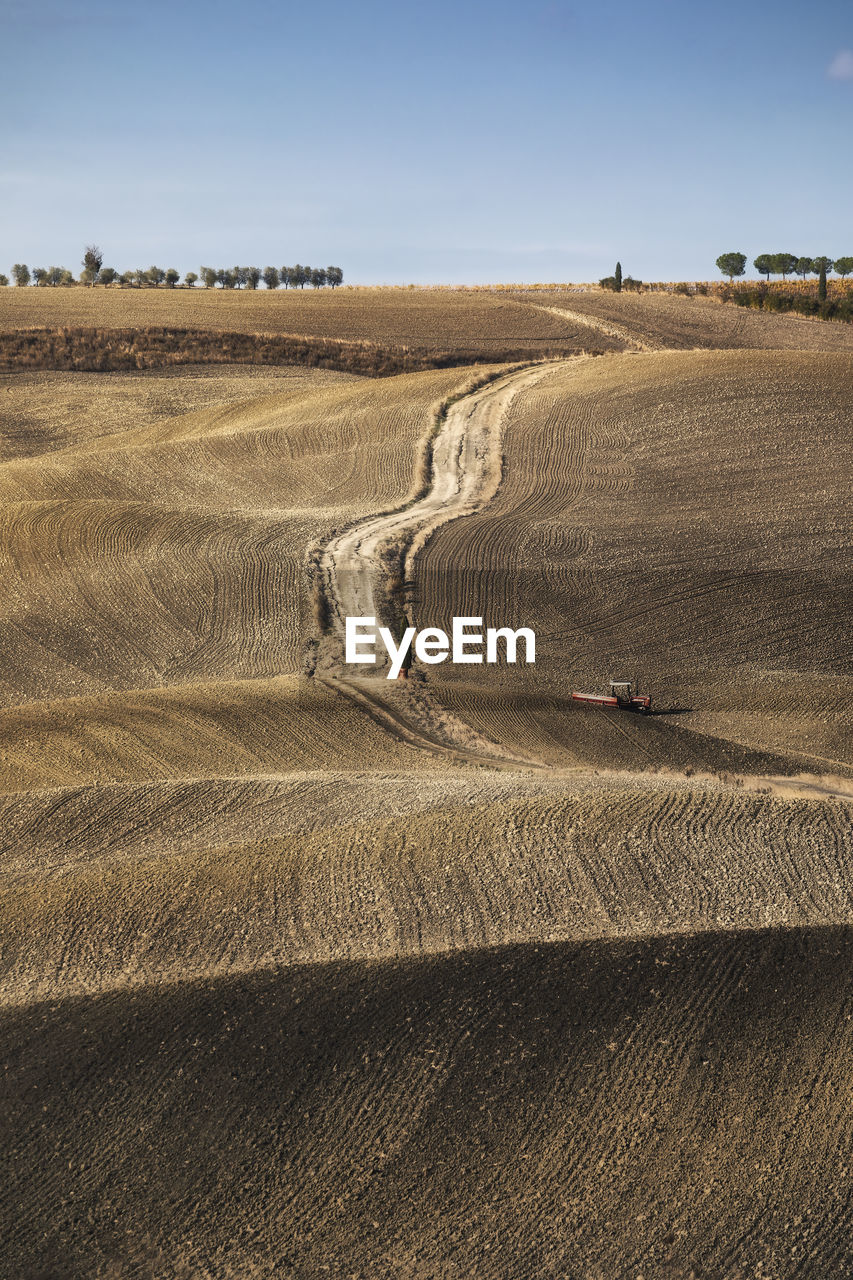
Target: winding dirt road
465, 475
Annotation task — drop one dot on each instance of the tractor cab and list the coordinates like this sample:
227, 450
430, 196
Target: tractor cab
621, 691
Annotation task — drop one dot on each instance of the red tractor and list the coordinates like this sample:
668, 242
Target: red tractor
620, 696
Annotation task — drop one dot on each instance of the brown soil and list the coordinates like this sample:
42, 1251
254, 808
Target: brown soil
285, 992
670, 1107
674, 518
440, 320
660, 320
174, 552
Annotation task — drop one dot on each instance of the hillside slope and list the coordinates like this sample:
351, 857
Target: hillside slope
283, 994
677, 518
666, 320
669, 1108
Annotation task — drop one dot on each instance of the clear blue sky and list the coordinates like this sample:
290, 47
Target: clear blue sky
426, 142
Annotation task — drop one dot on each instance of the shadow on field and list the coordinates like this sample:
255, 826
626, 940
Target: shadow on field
658, 1107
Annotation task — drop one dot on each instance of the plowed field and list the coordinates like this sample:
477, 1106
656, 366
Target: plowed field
668, 1107
678, 518
301, 977
425, 320
175, 551
660, 320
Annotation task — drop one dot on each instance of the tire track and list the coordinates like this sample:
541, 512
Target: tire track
608, 327
466, 473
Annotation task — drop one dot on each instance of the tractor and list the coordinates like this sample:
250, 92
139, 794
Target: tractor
620, 696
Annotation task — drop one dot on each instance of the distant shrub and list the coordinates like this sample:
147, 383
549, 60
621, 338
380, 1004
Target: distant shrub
115, 350
632, 285
771, 298
609, 282
777, 302
750, 295
683, 288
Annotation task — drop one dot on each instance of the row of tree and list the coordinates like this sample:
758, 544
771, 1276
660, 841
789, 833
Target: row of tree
784, 265
290, 277
94, 272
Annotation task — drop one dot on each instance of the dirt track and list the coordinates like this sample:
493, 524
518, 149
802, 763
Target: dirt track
465, 473
611, 328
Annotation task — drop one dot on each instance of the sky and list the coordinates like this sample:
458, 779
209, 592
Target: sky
464, 142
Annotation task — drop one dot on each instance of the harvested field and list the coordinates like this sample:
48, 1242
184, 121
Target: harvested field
174, 552
377, 332
256, 727
421, 320
662, 320
675, 517
42, 412
319, 862
662, 1107
289, 987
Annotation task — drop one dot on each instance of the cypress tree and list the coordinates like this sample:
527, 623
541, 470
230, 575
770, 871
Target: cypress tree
821, 283
617, 276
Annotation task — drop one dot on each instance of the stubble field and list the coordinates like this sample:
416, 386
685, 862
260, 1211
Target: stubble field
286, 992
678, 518
664, 321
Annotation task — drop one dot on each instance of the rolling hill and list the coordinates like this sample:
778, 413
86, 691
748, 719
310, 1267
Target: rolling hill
304, 975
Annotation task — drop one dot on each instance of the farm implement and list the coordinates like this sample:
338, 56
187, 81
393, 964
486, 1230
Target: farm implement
620, 696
